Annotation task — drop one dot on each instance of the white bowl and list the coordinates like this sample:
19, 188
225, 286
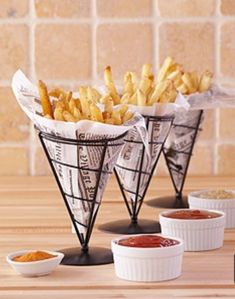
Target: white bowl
147, 264
198, 234
225, 205
37, 268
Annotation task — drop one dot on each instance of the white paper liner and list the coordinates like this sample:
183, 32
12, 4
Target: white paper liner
77, 183
198, 235
147, 264
215, 97
224, 205
181, 138
131, 154
180, 143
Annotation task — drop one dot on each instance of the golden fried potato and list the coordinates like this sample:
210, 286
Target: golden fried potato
44, 98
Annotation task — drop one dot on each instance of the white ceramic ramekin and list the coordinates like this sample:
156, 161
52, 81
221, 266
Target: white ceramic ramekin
198, 235
147, 264
225, 205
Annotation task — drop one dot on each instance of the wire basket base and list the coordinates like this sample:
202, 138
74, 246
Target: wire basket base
126, 227
169, 202
95, 256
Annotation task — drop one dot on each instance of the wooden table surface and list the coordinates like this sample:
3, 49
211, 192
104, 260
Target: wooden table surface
32, 216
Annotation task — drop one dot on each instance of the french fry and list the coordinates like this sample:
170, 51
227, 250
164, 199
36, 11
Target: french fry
57, 92
93, 95
67, 99
195, 80
146, 70
74, 110
129, 83
85, 105
133, 99
163, 72
68, 96
205, 81
45, 100
96, 114
122, 110
110, 85
125, 99
60, 104
158, 91
77, 114
147, 79
48, 116
77, 103
68, 116
146, 85
141, 98
108, 105
186, 78
72, 105
82, 92
182, 88
149, 96
58, 114
127, 116
175, 67
109, 121
96, 95
116, 116
178, 82
169, 94
175, 75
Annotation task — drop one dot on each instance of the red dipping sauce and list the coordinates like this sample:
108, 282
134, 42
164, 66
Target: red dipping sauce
147, 241
192, 214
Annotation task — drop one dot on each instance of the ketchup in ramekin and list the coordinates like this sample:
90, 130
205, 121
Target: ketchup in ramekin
200, 229
192, 214
145, 258
147, 241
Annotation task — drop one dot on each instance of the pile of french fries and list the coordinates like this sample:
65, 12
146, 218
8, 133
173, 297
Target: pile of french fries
171, 79
185, 82
61, 105
146, 92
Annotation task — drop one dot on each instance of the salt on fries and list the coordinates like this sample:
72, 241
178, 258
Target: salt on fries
170, 79
65, 107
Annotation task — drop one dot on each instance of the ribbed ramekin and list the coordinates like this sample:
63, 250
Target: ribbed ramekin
198, 235
225, 205
147, 264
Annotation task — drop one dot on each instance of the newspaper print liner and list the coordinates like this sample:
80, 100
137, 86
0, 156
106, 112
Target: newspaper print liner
134, 166
79, 184
179, 145
187, 126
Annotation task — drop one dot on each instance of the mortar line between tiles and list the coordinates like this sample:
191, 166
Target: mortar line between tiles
155, 37
14, 144
217, 72
56, 20
93, 41
32, 150
103, 20
5, 83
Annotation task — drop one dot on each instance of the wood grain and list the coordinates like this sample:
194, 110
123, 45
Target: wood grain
32, 215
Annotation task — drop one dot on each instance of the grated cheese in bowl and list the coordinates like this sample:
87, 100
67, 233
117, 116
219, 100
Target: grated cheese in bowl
217, 194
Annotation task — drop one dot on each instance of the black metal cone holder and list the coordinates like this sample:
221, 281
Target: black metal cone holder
135, 225
82, 255
178, 201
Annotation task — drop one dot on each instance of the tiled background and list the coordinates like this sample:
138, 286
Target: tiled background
67, 42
